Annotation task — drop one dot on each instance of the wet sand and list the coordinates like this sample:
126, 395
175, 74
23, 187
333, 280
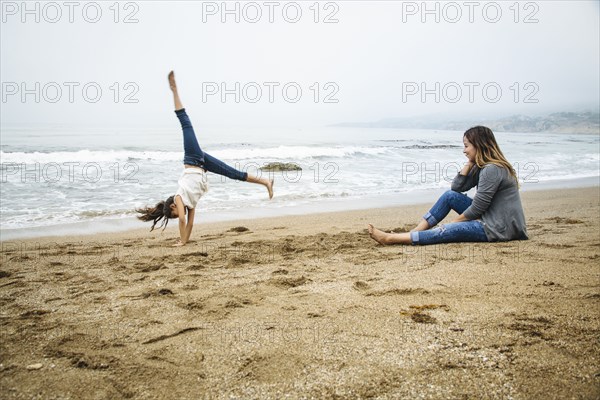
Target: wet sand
308, 307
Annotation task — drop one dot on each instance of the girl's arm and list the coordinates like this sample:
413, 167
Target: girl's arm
182, 223
185, 228
190, 224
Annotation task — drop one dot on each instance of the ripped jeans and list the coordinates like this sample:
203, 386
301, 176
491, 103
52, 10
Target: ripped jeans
468, 231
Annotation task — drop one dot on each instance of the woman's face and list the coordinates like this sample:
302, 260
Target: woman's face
469, 150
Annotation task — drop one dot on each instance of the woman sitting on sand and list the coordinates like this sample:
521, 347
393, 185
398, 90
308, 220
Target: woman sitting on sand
494, 214
193, 183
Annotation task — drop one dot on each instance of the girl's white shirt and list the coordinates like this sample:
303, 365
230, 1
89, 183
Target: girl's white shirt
193, 184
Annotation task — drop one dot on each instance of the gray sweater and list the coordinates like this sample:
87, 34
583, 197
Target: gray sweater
497, 202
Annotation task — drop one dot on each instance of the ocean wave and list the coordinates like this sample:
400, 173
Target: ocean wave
88, 214
274, 153
436, 146
42, 219
297, 152
86, 156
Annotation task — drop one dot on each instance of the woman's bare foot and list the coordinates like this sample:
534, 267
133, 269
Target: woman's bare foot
378, 235
388, 238
172, 83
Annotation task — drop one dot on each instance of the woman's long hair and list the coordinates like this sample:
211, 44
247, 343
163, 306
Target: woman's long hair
487, 150
161, 211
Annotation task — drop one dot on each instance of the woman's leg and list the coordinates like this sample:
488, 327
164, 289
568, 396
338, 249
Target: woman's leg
217, 166
389, 238
450, 200
468, 231
193, 155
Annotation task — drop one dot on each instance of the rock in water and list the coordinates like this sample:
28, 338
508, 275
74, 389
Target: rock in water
279, 166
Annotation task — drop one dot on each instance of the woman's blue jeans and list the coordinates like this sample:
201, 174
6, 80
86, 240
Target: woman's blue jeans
193, 154
468, 231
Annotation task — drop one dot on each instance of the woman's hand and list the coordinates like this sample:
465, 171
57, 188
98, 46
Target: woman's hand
465, 170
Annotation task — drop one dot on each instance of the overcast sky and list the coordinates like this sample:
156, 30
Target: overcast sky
371, 60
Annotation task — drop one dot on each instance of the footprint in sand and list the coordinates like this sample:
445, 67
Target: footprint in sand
422, 318
196, 267
528, 326
55, 264
239, 229
75, 348
360, 285
34, 313
152, 293
569, 221
233, 304
397, 292
280, 271
194, 255
150, 268
557, 245
289, 282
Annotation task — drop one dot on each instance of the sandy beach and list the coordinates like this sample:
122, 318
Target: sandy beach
308, 307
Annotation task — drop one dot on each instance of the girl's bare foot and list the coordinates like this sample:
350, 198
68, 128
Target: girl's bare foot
172, 83
269, 186
173, 86
268, 183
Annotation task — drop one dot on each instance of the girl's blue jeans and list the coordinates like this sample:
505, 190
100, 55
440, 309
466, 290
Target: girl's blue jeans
193, 154
468, 231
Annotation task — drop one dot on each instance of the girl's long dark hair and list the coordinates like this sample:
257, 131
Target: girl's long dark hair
161, 211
